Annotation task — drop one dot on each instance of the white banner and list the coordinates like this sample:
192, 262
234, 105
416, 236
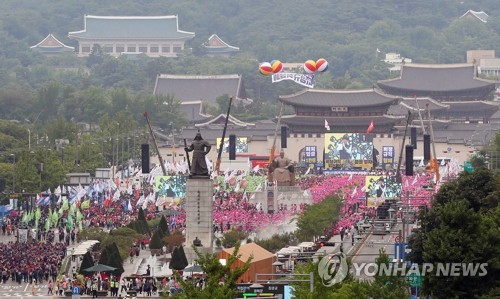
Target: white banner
306, 80
23, 235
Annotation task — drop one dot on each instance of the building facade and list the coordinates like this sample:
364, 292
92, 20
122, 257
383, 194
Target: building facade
153, 36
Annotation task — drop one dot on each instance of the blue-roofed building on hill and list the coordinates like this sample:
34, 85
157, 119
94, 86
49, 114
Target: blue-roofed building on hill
154, 36
215, 46
50, 45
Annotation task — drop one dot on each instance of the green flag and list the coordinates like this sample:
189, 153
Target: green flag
38, 213
65, 205
80, 226
47, 224
79, 215
69, 224
25, 218
72, 209
54, 218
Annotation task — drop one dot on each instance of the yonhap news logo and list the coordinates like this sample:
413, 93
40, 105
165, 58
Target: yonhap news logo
333, 269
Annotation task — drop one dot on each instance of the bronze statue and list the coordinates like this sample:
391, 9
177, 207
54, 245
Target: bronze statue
200, 149
282, 171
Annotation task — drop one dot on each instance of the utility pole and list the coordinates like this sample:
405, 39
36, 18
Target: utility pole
14, 174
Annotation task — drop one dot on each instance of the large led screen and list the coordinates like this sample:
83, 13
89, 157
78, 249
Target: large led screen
348, 150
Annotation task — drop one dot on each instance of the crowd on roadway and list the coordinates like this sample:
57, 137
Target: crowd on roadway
40, 258
31, 261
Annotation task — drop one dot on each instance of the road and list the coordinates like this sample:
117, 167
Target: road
370, 248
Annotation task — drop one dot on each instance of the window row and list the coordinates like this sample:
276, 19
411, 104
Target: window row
108, 48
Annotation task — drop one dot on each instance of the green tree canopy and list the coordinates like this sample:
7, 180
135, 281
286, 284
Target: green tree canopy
317, 218
461, 226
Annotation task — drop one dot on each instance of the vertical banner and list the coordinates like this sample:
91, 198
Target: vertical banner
311, 155
23, 235
387, 157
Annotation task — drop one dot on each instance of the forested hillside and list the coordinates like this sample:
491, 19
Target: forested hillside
346, 33
97, 103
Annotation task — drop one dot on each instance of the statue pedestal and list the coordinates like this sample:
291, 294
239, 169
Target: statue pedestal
198, 206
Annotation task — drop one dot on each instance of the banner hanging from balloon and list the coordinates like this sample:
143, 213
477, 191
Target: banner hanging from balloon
306, 79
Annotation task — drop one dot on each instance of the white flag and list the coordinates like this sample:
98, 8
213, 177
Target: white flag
327, 126
350, 177
256, 168
414, 181
308, 170
354, 191
140, 201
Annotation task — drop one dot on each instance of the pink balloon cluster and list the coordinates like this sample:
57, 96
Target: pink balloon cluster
311, 66
268, 68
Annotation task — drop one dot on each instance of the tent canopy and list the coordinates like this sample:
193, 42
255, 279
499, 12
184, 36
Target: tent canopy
84, 247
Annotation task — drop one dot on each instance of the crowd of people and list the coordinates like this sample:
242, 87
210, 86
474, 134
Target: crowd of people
40, 258
31, 261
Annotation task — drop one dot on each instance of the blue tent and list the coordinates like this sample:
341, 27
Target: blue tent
4, 210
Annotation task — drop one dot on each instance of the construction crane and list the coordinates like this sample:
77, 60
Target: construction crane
162, 164
433, 165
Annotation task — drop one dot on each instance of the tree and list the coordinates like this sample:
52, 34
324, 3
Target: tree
87, 262
141, 223
387, 286
318, 218
461, 227
122, 237
215, 274
156, 240
174, 240
232, 237
110, 256
163, 226
182, 256
176, 260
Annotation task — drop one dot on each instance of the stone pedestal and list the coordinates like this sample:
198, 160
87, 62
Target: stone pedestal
199, 193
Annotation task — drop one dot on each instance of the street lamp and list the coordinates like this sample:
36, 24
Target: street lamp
14, 174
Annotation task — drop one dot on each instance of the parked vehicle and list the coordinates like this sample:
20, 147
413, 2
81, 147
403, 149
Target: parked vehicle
379, 228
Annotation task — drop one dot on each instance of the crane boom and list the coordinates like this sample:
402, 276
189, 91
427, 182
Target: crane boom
433, 163
156, 144
273, 149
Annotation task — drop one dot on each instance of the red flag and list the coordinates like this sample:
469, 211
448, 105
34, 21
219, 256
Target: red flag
370, 127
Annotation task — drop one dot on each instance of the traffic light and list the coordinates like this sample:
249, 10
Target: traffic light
413, 137
284, 135
145, 157
427, 147
409, 160
232, 147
